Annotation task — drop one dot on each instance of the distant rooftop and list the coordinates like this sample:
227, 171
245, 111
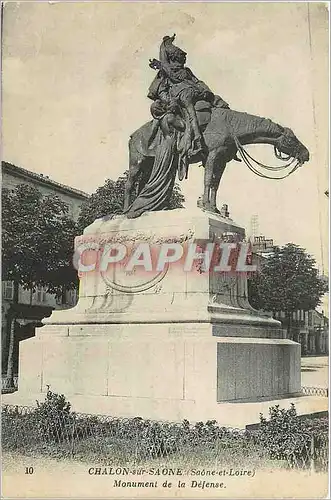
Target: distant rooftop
263, 245
41, 179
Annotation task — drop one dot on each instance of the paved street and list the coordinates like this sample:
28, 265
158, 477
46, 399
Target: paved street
315, 371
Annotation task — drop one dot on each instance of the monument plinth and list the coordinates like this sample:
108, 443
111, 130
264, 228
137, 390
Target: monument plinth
170, 344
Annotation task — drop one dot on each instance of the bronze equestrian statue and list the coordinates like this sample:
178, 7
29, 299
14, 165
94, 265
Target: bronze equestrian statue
192, 125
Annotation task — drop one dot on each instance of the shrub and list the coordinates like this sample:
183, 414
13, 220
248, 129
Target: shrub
53, 404
53, 429
287, 436
53, 417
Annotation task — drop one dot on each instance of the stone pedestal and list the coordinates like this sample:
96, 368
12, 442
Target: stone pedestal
164, 345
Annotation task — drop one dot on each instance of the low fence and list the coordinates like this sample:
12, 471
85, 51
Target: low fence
315, 391
102, 439
8, 385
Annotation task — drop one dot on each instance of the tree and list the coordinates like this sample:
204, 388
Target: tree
288, 281
109, 199
37, 246
37, 240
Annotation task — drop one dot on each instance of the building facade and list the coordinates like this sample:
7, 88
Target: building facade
30, 307
308, 328
13, 175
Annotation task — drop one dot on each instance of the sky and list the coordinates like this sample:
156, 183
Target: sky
76, 76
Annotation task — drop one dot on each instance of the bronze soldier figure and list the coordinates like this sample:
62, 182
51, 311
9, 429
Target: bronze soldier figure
176, 86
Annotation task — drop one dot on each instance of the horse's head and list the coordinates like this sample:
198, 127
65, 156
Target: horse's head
290, 145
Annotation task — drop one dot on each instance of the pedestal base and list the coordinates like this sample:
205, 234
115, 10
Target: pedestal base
175, 350
169, 371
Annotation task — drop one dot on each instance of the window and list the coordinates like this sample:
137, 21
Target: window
41, 294
71, 297
8, 290
310, 318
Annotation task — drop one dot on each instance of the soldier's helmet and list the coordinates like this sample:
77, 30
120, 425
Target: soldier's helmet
169, 51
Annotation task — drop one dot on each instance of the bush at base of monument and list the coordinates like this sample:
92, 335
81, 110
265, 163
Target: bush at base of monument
52, 429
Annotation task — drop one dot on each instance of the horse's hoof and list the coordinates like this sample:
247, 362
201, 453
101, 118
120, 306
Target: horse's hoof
206, 207
215, 210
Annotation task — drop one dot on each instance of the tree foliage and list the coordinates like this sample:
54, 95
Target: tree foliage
37, 239
288, 281
109, 200
286, 436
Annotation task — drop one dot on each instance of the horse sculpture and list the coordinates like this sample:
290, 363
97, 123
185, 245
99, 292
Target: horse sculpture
225, 131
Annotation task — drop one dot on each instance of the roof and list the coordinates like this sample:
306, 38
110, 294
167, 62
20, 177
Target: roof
321, 314
41, 179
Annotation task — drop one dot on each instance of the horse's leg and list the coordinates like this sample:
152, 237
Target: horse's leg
209, 171
218, 172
